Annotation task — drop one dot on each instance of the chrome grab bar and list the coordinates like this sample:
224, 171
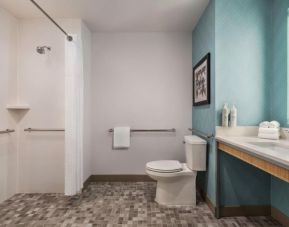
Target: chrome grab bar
7, 131
43, 130
149, 130
201, 134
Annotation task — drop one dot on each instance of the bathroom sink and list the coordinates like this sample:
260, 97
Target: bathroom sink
272, 146
273, 151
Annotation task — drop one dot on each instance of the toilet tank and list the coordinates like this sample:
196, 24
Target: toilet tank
196, 152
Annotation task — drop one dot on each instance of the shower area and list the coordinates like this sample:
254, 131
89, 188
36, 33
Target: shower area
45, 103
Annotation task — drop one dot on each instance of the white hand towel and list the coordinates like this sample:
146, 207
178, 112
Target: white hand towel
121, 137
274, 124
269, 136
264, 124
269, 130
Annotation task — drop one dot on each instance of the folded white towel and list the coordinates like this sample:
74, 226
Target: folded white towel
121, 137
269, 130
269, 136
274, 124
264, 124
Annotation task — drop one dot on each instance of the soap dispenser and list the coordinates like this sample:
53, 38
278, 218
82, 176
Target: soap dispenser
233, 116
225, 115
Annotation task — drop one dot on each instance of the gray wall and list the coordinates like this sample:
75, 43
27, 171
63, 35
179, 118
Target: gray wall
142, 80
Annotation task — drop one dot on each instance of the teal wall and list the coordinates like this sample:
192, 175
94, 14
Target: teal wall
242, 184
243, 35
243, 67
280, 195
279, 72
278, 94
248, 43
204, 117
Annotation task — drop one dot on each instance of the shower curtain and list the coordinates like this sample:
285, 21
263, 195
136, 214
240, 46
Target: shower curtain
73, 116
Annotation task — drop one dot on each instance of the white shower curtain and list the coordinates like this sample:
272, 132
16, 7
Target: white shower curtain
73, 116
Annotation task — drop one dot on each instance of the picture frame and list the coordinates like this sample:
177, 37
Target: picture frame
201, 82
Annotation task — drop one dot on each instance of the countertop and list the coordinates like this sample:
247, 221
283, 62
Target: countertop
279, 157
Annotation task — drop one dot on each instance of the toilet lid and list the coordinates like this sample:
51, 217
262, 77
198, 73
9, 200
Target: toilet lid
165, 166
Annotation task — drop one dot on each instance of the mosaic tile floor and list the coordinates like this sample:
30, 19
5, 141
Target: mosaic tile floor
112, 204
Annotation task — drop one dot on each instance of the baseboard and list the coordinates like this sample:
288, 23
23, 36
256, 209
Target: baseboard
232, 211
267, 210
120, 178
279, 216
87, 182
206, 199
210, 204
116, 178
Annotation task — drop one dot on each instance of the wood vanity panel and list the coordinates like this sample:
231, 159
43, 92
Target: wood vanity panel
266, 166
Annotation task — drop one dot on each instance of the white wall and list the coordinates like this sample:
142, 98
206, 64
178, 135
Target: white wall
8, 73
142, 80
41, 85
87, 142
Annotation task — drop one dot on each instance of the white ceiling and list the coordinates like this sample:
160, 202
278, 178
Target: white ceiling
117, 15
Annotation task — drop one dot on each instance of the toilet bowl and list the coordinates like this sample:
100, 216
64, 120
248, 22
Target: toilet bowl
176, 182
175, 186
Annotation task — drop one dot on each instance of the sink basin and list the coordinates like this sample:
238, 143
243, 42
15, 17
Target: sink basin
272, 146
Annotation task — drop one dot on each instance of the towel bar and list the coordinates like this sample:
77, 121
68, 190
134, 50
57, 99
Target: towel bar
7, 131
149, 130
43, 130
201, 134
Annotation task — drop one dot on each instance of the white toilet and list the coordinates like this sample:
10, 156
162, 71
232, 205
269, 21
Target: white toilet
176, 182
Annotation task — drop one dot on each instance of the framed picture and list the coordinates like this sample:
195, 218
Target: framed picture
201, 82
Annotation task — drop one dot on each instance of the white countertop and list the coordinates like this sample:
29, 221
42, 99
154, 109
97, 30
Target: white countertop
278, 157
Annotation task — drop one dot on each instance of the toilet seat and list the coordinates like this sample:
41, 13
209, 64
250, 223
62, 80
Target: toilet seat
184, 172
164, 166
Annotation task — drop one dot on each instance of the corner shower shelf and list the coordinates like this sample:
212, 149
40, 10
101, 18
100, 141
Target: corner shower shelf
18, 107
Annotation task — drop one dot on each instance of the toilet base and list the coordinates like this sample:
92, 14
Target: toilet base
178, 191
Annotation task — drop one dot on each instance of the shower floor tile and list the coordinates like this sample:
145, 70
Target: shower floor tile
112, 204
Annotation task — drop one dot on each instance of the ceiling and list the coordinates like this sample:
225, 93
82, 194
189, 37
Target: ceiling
117, 15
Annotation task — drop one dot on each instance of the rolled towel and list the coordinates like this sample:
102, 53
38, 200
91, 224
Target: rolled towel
274, 124
269, 130
269, 136
264, 124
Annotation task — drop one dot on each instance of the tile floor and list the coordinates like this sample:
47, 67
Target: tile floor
112, 204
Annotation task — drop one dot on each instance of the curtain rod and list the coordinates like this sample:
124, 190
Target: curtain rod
69, 38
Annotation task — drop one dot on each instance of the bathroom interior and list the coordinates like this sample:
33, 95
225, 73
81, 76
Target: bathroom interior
144, 113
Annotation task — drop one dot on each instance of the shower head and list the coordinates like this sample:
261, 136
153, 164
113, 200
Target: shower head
41, 49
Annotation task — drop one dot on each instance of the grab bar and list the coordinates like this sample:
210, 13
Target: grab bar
43, 130
201, 134
7, 131
149, 130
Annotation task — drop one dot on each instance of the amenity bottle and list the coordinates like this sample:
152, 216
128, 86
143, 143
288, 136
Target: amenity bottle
225, 115
233, 117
